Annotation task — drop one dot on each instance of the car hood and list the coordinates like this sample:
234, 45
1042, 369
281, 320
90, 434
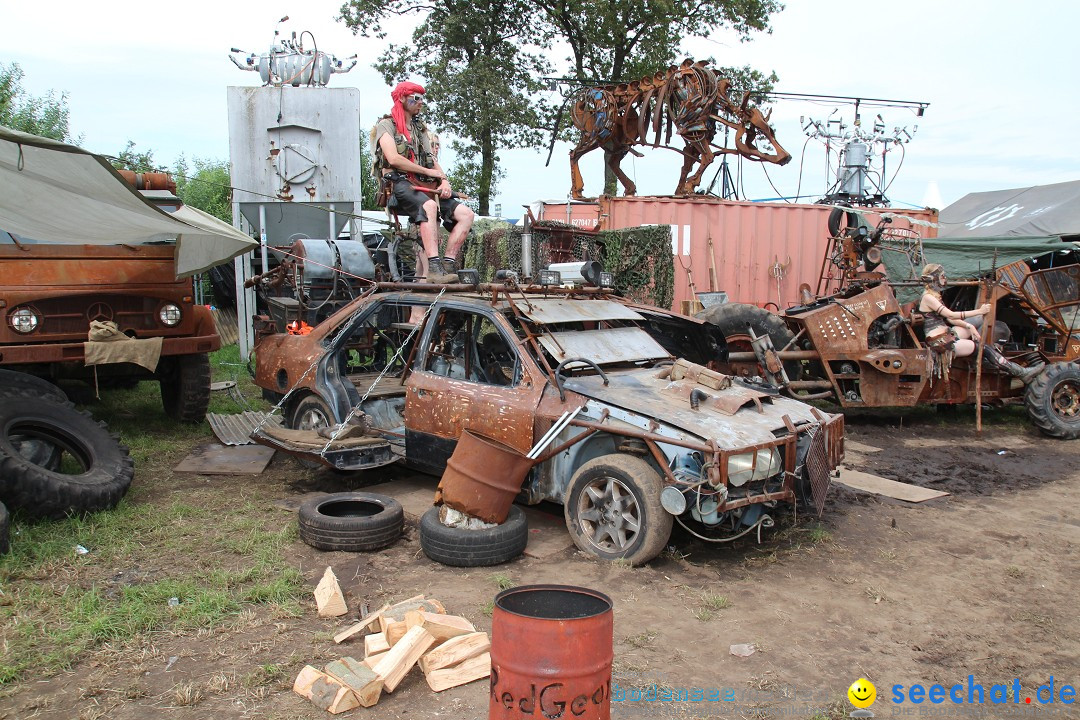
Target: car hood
734, 416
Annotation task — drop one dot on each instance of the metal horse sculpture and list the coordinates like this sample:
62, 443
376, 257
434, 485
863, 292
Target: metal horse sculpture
692, 98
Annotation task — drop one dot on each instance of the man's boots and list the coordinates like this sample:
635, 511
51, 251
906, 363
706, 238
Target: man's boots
993, 358
438, 272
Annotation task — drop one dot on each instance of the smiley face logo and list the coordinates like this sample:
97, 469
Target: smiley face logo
862, 693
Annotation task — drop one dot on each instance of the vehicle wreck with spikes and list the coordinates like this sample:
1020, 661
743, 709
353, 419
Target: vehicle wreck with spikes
612, 403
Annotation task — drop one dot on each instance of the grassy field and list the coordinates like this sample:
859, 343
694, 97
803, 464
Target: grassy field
164, 560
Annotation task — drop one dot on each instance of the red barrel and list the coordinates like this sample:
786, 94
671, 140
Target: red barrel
483, 477
551, 653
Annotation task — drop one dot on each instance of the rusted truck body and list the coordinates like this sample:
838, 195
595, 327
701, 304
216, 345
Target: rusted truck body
50, 294
629, 429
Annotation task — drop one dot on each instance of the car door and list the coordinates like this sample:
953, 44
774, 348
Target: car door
469, 374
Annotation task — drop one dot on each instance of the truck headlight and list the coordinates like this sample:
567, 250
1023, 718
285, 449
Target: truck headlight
24, 320
170, 315
742, 468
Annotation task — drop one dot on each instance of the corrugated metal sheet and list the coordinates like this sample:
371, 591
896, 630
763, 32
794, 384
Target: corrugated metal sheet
549, 311
237, 429
603, 347
749, 241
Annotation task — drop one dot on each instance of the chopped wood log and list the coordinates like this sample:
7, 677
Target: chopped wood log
442, 627
359, 627
395, 631
328, 596
324, 691
396, 613
375, 644
372, 660
399, 660
455, 650
358, 677
472, 669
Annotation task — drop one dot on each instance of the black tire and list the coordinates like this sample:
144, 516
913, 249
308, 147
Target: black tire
840, 219
474, 548
185, 387
622, 483
1053, 400
5, 530
734, 319
37, 450
353, 522
105, 467
12, 381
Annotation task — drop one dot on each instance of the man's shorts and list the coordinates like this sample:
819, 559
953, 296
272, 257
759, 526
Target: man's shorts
411, 202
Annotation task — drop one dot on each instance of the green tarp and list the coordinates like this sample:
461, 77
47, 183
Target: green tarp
969, 258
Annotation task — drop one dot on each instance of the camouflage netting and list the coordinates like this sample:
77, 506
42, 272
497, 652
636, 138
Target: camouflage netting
639, 258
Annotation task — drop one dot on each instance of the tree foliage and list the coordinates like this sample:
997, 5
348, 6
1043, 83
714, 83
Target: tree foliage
46, 116
367, 183
204, 184
130, 159
482, 82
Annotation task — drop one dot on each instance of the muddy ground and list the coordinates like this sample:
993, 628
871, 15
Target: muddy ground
983, 582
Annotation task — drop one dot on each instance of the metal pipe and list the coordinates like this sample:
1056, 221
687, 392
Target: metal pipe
526, 249
642, 435
332, 215
547, 436
809, 384
748, 356
262, 239
563, 446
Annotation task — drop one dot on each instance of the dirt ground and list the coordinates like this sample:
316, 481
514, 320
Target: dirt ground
983, 582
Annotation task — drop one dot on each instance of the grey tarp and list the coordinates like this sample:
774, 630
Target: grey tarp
58, 193
1034, 211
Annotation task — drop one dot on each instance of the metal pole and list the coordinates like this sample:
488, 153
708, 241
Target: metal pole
333, 223
262, 239
526, 249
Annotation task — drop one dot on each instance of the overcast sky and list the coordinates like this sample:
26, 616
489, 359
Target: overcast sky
1004, 110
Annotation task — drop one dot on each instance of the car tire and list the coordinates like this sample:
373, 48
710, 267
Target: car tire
310, 413
459, 547
734, 319
13, 381
1053, 400
185, 388
5, 529
611, 490
39, 491
353, 522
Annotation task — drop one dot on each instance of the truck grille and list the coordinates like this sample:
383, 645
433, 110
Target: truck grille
71, 316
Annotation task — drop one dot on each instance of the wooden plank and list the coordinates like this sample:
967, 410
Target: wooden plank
324, 691
375, 643
466, 672
372, 660
442, 627
889, 488
399, 660
358, 677
394, 632
328, 596
455, 650
359, 627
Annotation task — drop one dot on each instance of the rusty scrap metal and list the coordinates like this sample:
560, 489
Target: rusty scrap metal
691, 98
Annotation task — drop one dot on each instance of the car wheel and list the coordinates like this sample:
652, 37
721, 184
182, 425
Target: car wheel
613, 509
461, 547
1053, 400
95, 469
5, 529
734, 319
353, 522
311, 413
185, 388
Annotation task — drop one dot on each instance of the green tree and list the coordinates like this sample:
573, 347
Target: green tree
46, 116
620, 41
481, 78
129, 159
368, 185
205, 186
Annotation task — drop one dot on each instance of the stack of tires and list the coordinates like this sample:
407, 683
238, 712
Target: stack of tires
54, 460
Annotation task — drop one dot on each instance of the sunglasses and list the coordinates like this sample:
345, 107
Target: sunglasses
416, 98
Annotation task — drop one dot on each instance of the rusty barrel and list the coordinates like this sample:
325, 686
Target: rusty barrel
551, 652
483, 477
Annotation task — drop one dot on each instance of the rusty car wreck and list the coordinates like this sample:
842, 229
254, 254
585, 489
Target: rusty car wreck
629, 429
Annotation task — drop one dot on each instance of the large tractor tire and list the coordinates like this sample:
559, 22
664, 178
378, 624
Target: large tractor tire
12, 381
734, 319
185, 387
94, 473
1053, 400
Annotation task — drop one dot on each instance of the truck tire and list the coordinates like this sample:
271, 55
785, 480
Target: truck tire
19, 382
353, 522
459, 547
185, 388
5, 530
734, 319
105, 469
1053, 400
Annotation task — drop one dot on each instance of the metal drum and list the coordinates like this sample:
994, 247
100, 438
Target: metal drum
551, 653
483, 477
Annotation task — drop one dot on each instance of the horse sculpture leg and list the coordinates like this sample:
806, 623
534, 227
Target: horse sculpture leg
705, 158
577, 185
629, 188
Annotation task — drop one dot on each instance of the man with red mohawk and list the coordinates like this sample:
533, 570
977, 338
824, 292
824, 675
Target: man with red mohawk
403, 155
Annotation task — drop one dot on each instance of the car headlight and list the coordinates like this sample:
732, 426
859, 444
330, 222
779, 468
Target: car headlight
170, 315
742, 468
24, 320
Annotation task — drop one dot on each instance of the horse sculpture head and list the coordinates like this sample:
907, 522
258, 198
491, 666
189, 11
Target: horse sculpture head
753, 127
